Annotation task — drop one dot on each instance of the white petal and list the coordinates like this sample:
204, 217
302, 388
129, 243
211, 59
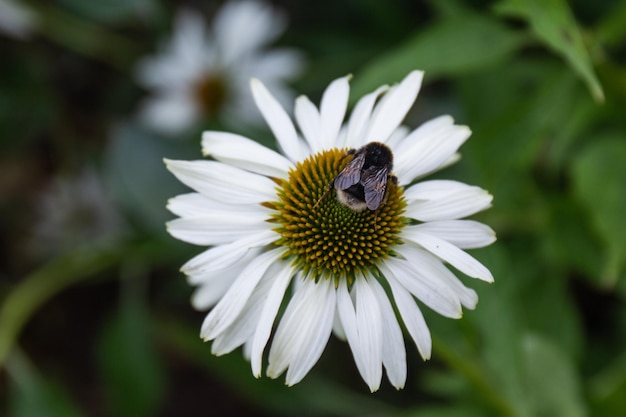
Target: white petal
338, 329
308, 118
247, 347
394, 353
370, 333
224, 256
197, 205
360, 117
397, 137
347, 317
241, 27
189, 42
171, 113
237, 334
182, 61
466, 234
235, 299
215, 283
411, 316
258, 315
226, 276
283, 350
428, 135
393, 108
276, 66
333, 109
239, 108
164, 75
223, 182
317, 338
278, 120
420, 278
303, 331
211, 292
422, 154
432, 128
17, 19
456, 157
189, 205
445, 200
267, 316
432, 265
244, 153
449, 253
244, 326
467, 296
217, 228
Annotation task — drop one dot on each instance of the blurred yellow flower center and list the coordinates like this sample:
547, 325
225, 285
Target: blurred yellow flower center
211, 93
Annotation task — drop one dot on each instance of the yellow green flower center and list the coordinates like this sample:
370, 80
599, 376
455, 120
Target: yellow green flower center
324, 237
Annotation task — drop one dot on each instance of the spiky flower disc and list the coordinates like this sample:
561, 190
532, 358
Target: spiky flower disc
325, 238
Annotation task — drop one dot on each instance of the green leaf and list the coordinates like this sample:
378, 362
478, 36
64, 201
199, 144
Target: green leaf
550, 311
599, 183
612, 29
608, 388
553, 384
570, 243
512, 135
456, 410
129, 364
501, 327
553, 22
516, 135
456, 45
30, 394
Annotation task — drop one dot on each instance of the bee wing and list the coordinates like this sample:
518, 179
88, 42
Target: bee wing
374, 185
351, 174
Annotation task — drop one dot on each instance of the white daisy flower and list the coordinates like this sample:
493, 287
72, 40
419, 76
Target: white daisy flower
203, 72
279, 233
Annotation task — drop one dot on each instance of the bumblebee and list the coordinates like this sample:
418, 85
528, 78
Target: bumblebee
362, 183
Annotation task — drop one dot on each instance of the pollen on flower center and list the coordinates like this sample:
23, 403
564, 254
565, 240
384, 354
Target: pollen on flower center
325, 238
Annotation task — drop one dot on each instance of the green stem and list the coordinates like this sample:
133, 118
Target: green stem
476, 377
39, 287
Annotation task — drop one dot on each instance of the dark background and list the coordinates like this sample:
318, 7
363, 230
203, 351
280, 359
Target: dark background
95, 317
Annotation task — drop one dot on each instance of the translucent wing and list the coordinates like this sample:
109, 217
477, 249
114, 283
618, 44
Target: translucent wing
351, 174
374, 184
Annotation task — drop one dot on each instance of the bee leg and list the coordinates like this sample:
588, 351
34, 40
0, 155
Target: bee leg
328, 188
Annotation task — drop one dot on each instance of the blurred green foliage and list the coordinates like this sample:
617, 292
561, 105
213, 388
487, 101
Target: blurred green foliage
106, 328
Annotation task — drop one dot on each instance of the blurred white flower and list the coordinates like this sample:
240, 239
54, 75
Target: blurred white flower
16, 19
201, 72
75, 210
274, 221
